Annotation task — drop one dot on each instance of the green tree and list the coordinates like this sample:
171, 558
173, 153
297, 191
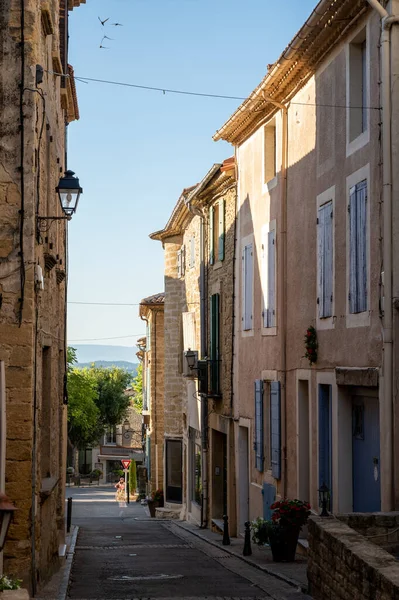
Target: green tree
83, 413
137, 385
132, 477
112, 402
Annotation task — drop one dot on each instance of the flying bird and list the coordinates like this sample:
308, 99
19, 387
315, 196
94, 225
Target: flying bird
103, 22
117, 24
104, 47
105, 37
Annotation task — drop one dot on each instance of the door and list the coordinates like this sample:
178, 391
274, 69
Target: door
243, 477
174, 470
325, 445
366, 454
219, 474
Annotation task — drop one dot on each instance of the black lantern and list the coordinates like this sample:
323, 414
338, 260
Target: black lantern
69, 191
7, 510
324, 495
191, 358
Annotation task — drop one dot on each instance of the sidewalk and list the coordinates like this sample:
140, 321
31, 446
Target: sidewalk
293, 573
57, 587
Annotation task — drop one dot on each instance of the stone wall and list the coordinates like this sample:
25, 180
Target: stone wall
344, 565
32, 324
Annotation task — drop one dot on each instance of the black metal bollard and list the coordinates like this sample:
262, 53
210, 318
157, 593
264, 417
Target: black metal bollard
69, 514
128, 497
226, 537
247, 540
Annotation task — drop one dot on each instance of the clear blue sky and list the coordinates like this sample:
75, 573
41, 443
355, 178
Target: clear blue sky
135, 150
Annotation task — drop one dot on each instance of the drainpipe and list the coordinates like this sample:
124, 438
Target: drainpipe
386, 410
282, 316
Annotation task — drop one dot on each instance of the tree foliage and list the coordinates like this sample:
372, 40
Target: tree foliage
97, 400
132, 477
137, 385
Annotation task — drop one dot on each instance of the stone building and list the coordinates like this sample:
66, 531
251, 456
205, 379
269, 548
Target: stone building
317, 227
35, 108
214, 199
152, 354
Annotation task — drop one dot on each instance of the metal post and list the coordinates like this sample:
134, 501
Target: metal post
247, 540
226, 537
126, 483
69, 514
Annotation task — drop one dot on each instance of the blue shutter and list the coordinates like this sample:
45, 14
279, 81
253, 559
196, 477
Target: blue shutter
247, 287
269, 496
221, 230
275, 427
211, 235
325, 454
358, 248
271, 270
259, 455
325, 259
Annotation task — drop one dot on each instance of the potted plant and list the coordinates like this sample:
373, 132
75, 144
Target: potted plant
11, 588
282, 531
154, 501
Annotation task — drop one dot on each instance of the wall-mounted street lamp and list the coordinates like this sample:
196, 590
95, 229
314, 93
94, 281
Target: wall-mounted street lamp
324, 494
192, 359
69, 191
7, 510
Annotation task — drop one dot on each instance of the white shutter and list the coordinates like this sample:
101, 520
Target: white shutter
189, 340
247, 276
271, 269
179, 269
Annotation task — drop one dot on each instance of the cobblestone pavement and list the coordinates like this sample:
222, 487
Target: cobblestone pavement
121, 554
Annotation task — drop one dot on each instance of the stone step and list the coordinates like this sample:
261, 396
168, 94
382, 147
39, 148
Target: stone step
302, 547
167, 513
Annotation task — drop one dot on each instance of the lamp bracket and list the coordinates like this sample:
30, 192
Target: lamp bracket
44, 223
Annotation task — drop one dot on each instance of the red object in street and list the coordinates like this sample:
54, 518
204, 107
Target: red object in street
126, 463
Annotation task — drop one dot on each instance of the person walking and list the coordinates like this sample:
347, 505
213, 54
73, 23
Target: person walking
120, 490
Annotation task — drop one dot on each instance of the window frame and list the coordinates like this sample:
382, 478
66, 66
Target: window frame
269, 136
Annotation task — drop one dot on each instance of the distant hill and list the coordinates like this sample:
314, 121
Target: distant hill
121, 364
89, 353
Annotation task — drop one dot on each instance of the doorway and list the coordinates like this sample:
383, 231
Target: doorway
325, 439
174, 470
303, 441
219, 474
243, 474
366, 454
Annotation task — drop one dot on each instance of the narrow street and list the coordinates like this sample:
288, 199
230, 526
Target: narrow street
123, 554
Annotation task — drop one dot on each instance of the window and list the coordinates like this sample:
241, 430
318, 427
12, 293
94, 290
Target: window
358, 247
173, 471
247, 287
110, 435
325, 259
358, 87
181, 262
269, 151
269, 277
215, 344
216, 231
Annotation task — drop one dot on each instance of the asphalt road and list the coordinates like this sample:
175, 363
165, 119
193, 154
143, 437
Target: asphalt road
122, 554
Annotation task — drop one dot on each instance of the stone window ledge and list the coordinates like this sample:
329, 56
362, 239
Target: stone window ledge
48, 486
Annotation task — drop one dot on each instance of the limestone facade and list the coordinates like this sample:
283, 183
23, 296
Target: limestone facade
33, 118
152, 312
301, 149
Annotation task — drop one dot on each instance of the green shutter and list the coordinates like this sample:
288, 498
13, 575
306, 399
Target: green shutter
214, 342
221, 230
211, 229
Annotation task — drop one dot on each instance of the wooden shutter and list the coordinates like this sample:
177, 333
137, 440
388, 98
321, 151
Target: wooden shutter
358, 248
189, 339
179, 264
247, 287
325, 259
259, 454
211, 235
221, 230
265, 279
271, 270
275, 428
215, 342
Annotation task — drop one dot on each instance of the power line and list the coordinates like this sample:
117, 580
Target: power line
118, 337
104, 303
201, 94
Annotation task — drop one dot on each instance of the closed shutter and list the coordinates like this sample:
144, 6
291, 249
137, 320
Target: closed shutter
179, 264
275, 428
247, 287
189, 339
211, 235
325, 260
358, 248
221, 230
183, 260
215, 342
265, 276
259, 454
148, 387
271, 269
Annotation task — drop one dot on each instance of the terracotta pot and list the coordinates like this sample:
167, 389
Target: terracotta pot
283, 544
152, 505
